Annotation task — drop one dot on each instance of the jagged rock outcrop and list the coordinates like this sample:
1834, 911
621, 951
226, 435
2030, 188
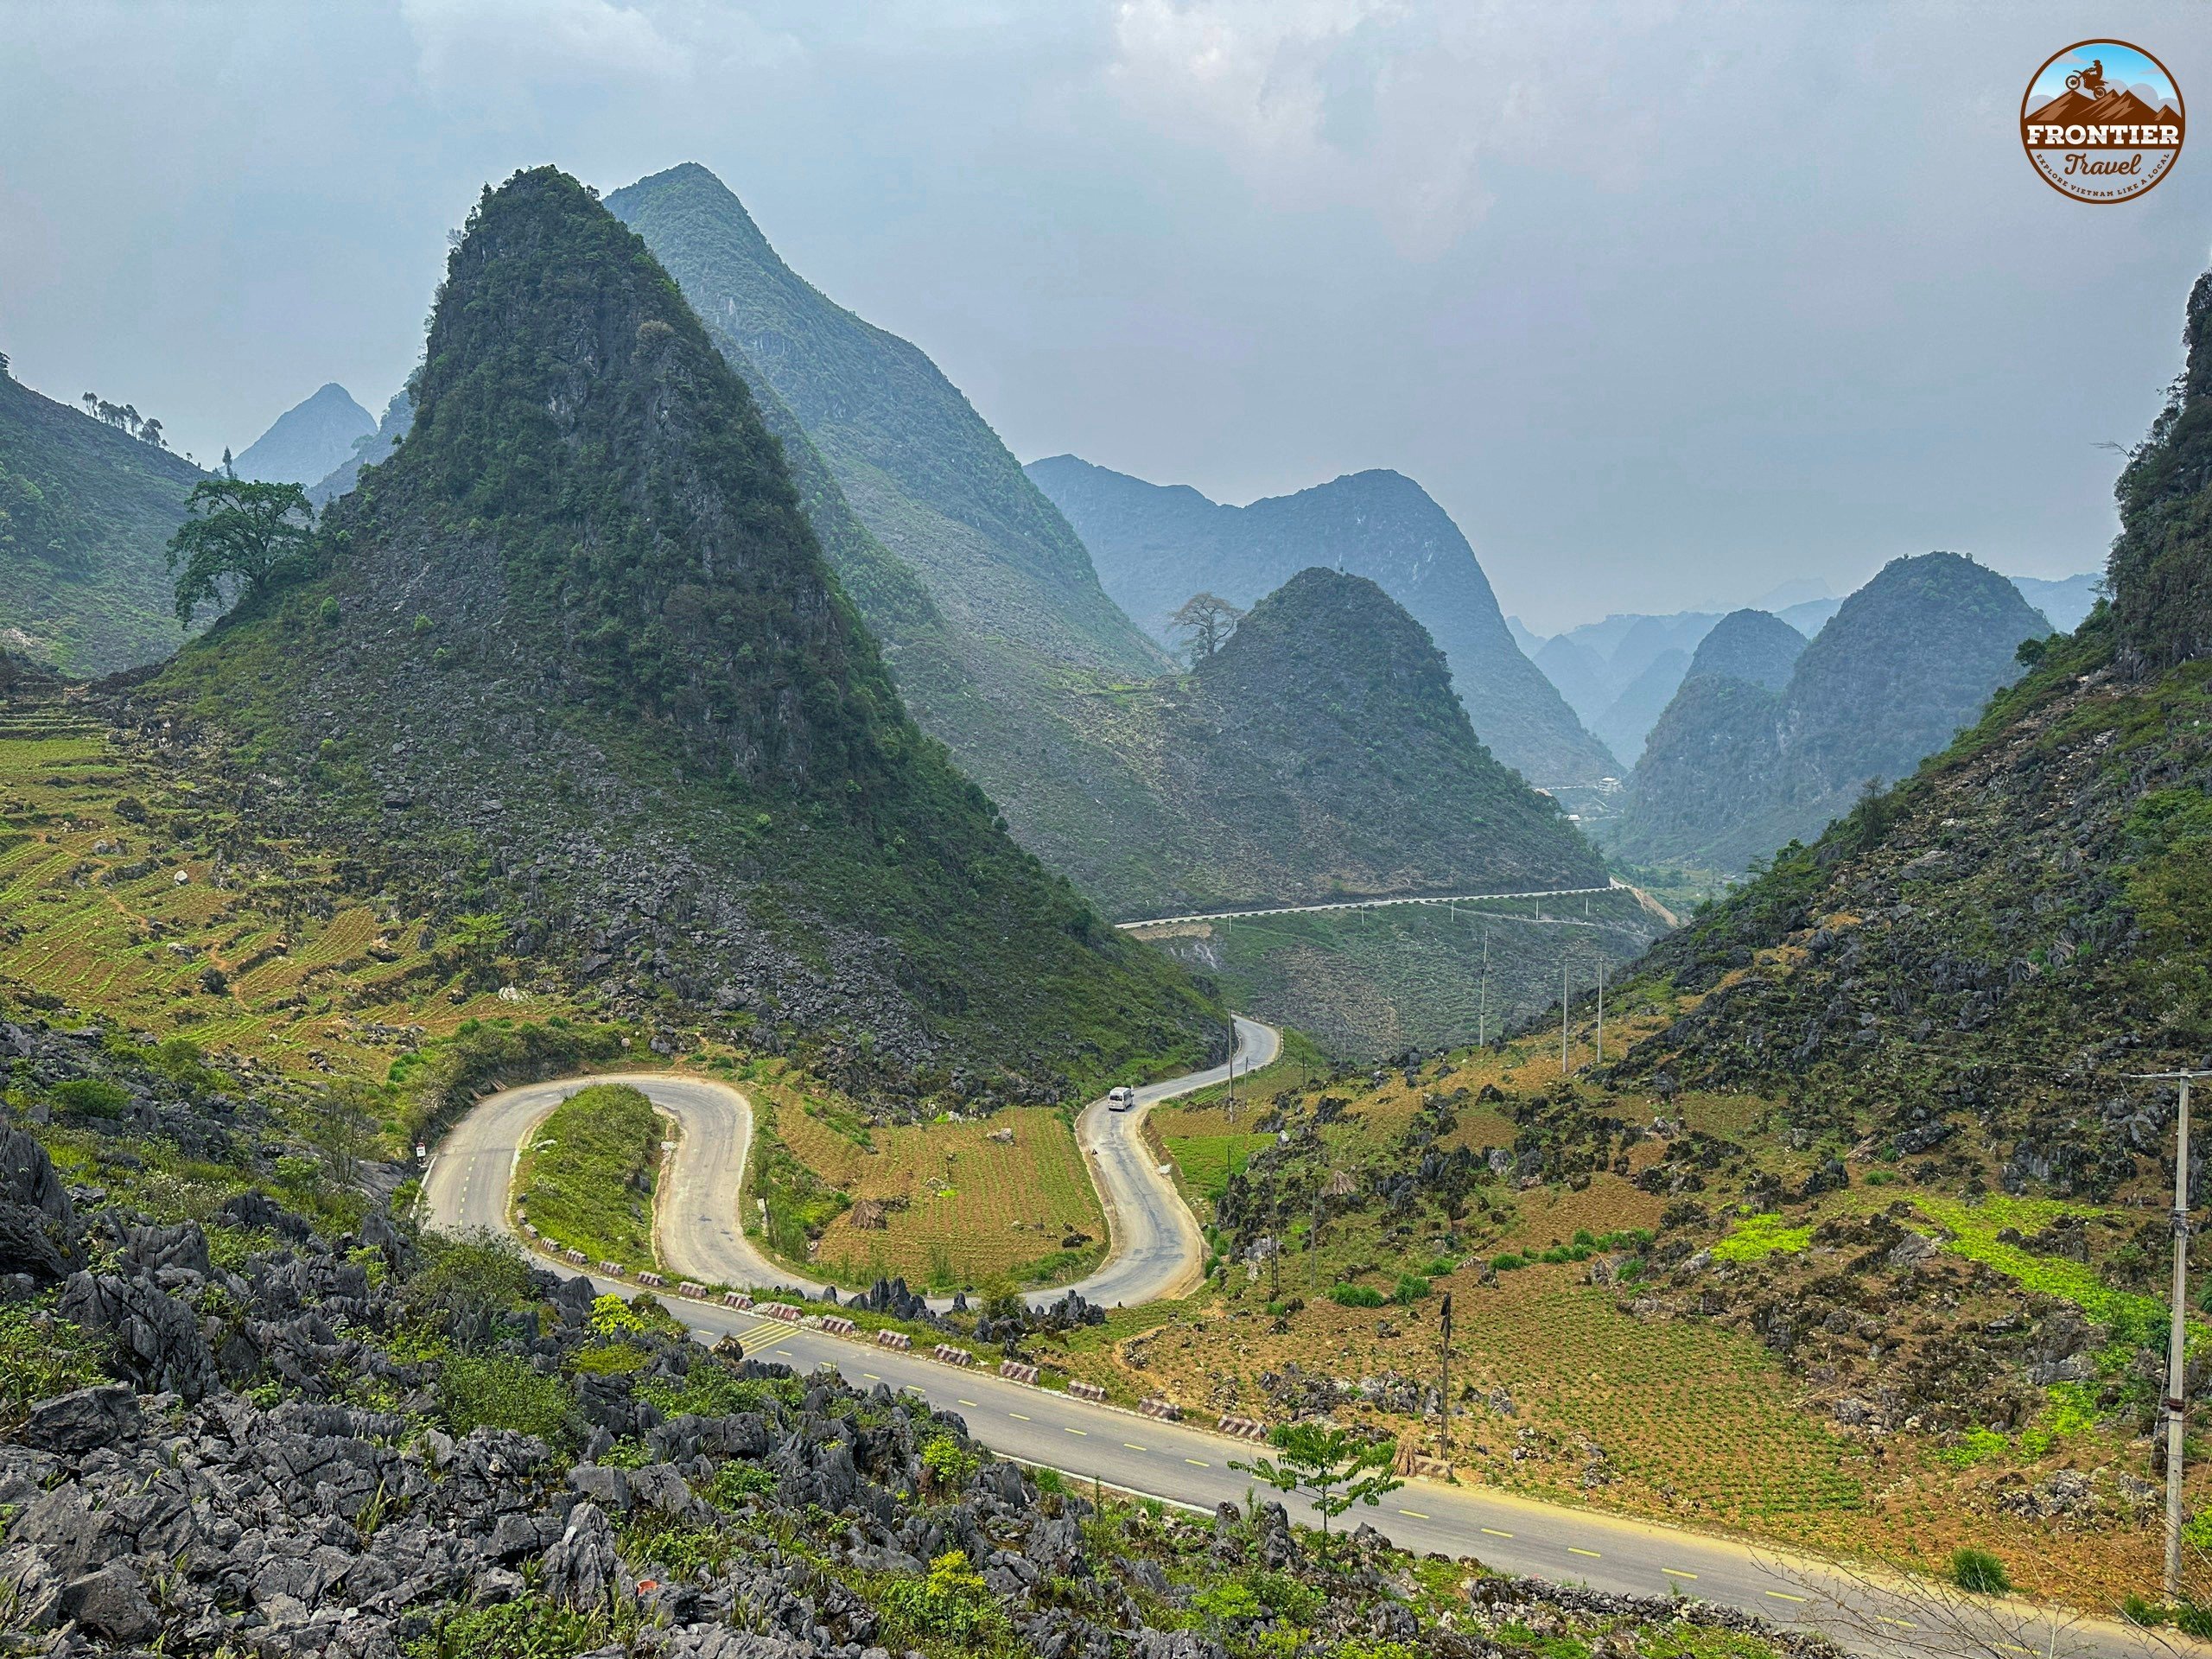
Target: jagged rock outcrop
37, 1221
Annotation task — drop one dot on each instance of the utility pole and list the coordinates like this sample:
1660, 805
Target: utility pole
1232, 1069
1444, 1384
1601, 1010
1562, 1016
1482, 1019
2175, 1333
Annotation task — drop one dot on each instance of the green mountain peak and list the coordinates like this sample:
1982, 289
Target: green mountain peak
577, 666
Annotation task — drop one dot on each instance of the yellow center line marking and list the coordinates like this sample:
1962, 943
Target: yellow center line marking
1901, 1623
969, 1403
871, 1376
1195, 1464
786, 1352
1416, 1514
1676, 1573
1574, 1550
1783, 1595
1495, 1533
1075, 1431
1132, 1447
1017, 1416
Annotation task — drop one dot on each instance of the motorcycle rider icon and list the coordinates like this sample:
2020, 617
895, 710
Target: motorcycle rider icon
2090, 80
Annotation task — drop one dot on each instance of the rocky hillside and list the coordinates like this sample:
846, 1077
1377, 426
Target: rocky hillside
243, 1408
308, 441
1322, 755
1979, 953
1156, 545
1734, 769
85, 512
576, 669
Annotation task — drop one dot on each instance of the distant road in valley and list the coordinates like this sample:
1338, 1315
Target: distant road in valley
1374, 904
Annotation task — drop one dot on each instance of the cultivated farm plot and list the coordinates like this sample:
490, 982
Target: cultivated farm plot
1206, 1161
114, 931
977, 1210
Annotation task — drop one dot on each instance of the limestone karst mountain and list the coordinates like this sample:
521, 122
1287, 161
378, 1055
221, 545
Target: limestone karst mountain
1748, 645
1156, 545
575, 661
1736, 767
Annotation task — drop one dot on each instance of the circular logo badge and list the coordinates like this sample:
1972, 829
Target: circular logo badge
2102, 121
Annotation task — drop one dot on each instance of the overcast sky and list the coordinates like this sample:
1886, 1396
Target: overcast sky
1665, 304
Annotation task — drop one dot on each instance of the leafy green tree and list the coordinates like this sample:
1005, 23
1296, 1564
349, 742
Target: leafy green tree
1335, 1467
257, 534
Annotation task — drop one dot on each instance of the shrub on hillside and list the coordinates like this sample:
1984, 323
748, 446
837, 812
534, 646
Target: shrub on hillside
1980, 1573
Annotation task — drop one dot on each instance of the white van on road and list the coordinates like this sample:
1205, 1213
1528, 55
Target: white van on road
1120, 1100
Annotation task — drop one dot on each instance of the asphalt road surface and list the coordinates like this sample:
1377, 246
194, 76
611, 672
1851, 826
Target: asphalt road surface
1154, 1247
466, 1186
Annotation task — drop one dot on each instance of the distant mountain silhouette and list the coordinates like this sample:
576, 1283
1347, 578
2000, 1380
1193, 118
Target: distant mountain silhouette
309, 440
1738, 765
1156, 545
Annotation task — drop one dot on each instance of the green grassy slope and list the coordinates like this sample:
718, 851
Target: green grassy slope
86, 511
576, 671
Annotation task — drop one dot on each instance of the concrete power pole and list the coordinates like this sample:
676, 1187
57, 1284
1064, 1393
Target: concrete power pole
1562, 1016
2176, 1333
1444, 1384
2175, 1382
1601, 1010
1481, 1019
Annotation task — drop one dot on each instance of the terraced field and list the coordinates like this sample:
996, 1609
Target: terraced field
1006, 1199
123, 893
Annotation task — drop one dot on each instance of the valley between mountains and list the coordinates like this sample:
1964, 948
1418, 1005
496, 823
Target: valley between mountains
679, 864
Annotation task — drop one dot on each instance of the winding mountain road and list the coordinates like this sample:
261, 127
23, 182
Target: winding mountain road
1156, 1252
1154, 1247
